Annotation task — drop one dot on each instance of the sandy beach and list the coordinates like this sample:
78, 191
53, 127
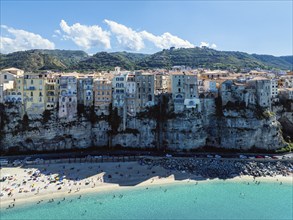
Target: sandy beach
46, 182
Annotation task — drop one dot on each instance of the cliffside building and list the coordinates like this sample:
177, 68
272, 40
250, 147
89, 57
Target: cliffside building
263, 93
11, 83
131, 94
145, 94
162, 83
34, 93
68, 97
184, 91
52, 90
256, 91
102, 95
85, 90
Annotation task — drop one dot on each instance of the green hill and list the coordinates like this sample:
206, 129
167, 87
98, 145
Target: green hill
213, 59
33, 60
66, 60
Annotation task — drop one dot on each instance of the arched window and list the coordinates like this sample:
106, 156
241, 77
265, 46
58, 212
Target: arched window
179, 96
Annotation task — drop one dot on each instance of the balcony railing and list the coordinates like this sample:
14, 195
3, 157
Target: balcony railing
31, 88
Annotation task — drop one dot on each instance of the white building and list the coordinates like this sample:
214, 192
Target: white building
1, 93
210, 86
263, 91
184, 91
85, 90
119, 91
145, 90
131, 94
68, 97
274, 88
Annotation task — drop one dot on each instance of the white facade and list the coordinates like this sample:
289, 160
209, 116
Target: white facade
262, 87
68, 97
131, 94
119, 90
184, 91
210, 86
85, 91
274, 88
145, 90
1, 93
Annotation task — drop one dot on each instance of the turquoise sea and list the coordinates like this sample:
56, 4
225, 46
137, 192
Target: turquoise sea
213, 200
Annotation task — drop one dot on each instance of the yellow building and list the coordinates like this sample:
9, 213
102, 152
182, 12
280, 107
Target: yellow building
34, 93
102, 95
52, 91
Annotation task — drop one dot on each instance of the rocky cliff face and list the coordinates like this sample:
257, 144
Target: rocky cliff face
189, 130
284, 115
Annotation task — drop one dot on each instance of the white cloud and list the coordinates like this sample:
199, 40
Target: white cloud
84, 36
214, 46
22, 40
127, 37
58, 32
166, 40
133, 40
205, 44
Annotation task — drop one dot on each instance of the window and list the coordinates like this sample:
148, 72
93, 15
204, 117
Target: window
32, 94
32, 82
5, 76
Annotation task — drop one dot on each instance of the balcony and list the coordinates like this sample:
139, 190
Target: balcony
31, 88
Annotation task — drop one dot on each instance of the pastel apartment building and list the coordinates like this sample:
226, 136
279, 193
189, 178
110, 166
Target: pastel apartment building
34, 93
184, 91
131, 94
85, 94
145, 90
68, 97
102, 89
52, 91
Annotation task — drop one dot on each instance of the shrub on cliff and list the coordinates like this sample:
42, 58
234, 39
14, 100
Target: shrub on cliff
46, 116
25, 122
114, 119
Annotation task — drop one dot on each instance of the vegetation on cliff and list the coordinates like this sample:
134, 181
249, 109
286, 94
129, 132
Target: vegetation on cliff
68, 60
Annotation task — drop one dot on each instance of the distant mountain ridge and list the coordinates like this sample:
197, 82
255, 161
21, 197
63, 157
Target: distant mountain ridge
68, 60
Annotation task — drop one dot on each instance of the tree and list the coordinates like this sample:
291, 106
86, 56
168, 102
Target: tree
25, 122
114, 119
46, 116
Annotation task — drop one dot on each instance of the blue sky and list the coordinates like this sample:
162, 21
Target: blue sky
262, 27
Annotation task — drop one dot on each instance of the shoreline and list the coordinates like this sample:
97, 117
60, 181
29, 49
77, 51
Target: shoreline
114, 187
125, 179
